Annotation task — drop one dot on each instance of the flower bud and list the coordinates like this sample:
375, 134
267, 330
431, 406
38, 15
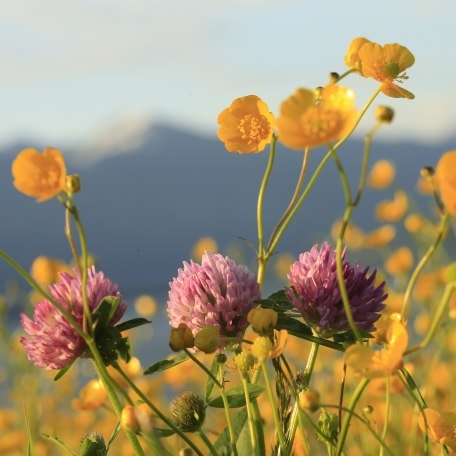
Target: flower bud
244, 361
188, 411
93, 444
73, 184
261, 347
128, 419
384, 114
180, 338
309, 401
328, 423
427, 171
208, 339
368, 409
263, 321
221, 358
186, 452
333, 77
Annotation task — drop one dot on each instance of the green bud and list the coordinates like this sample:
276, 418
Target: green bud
221, 358
93, 445
244, 361
427, 171
328, 423
188, 411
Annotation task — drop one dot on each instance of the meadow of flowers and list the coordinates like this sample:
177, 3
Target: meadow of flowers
344, 359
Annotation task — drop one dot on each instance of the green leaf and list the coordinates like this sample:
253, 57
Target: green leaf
30, 451
236, 396
210, 382
104, 312
124, 349
130, 324
222, 445
162, 433
58, 443
166, 364
114, 434
63, 371
291, 324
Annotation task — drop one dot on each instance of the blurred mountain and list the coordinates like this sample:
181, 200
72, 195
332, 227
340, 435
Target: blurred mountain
147, 202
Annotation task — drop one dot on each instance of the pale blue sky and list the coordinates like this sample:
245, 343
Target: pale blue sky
70, 68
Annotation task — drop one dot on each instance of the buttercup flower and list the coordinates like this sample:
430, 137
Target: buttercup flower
446, 180
382, 174
394, 210
380, 237
379, 363
400, 261
52, 342
41, 176
46, 270
315, 292
386, 64
246, 126
440, 426
312, 118
352, 59
218, 292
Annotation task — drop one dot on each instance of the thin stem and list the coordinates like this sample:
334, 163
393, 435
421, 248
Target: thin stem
310, 364
343, 75
264, 184
203, 367
421, 264
253, 436
167, 421
272, 401
387, 412
343, 178
227, 413
257, 416
292, 202
438, 316
341, 394
314, 177
207, 442
351, 407
69, 235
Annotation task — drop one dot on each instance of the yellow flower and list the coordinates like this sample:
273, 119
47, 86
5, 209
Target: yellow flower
441, 427
399, 262
380, 237
392, 211
46, 270
91, 397
204, 244
446, 180
382, 174
145, 305
283, 264
41, 176
379, 363
246, 126
414, 223
352, 59
354, 237
312, 118
263, 321
386, 64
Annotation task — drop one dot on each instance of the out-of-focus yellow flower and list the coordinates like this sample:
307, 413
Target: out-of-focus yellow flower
446, 179
133, 370
382, 326
399, 262
263, 321
41, 176
145, 305
380, 237
46, 270
283, 264
379, 363
386, 64
352, 59
427, 285
246, 126
394, 301
422, 323
354, 237
312, 118
13, 440
91, 396
392, 211
382, 174
414, 223
441, 427
204, 244
425, 185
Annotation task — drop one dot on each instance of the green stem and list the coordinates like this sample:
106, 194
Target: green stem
262, 262
226, 405
167, 421
257, 416
438, 316
343, 75
351, 407
272, 401
207, 442
387, 412
69, 235
421, 264
314, 177
203, 367
253, 436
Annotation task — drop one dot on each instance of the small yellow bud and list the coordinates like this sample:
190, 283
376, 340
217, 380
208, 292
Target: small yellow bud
309, 401
427, 171
263, 321
261, 347
368, 409
244, 361
186, 452
333, 77
128, 419
208, 339
73, 184
384, 114
180, 338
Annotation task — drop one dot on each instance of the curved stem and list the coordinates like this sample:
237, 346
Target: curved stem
226, 405
292, 202
387, 411
203, 367
351, 407
69, 235
421, 264
248, 404
167, 421
261, 260
343, 75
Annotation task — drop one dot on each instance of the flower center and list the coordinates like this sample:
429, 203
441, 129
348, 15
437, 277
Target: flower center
253, 128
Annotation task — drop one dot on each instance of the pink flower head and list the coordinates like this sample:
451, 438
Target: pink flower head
315, 292
52, 342
218, 292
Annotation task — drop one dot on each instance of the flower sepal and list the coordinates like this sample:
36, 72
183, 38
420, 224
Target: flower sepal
113, 346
